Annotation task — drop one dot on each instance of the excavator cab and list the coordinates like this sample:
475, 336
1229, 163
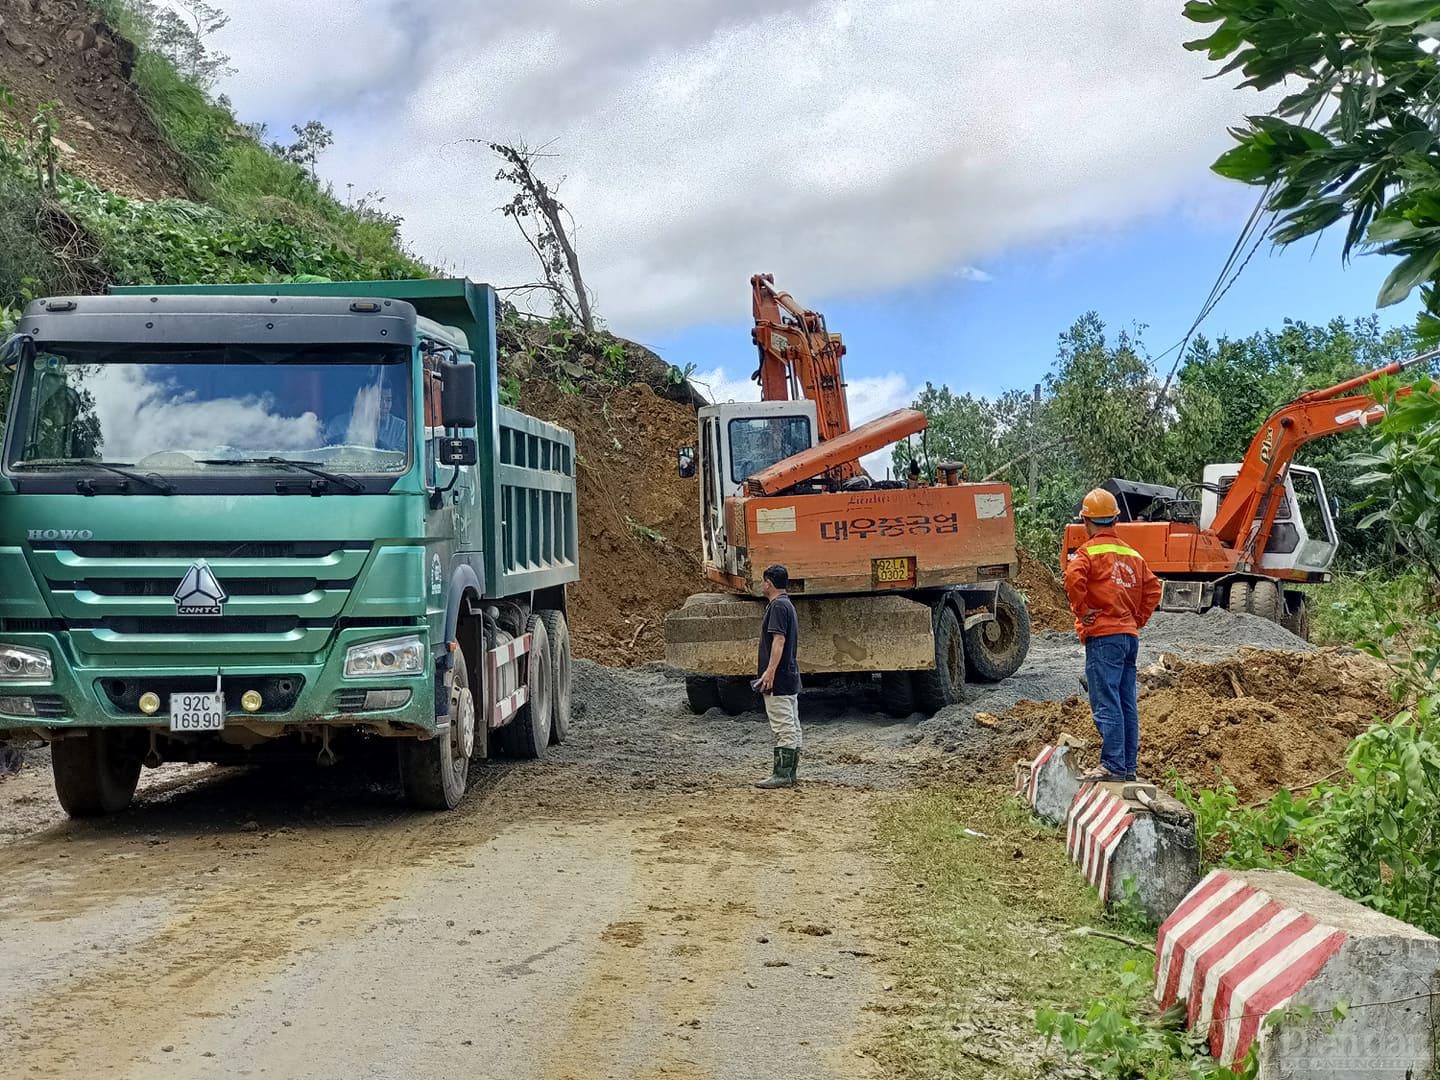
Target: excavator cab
737, 440
1303, 537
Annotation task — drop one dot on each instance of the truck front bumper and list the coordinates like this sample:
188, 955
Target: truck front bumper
297, 690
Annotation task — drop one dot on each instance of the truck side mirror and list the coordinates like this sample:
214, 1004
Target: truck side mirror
685, 462
457, 395
457, 452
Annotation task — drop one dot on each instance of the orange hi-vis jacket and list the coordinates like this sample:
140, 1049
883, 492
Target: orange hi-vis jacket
1111, 590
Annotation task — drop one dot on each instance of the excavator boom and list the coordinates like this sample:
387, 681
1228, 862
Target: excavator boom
875, 435
799, 357
1246, 515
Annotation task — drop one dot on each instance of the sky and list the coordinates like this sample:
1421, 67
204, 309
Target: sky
953, 182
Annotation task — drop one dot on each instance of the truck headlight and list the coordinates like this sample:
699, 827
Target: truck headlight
19, 664
394, 656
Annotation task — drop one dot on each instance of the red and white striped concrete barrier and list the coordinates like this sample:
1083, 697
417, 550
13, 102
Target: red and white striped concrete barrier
1048, 784
1099, 819
1243, 944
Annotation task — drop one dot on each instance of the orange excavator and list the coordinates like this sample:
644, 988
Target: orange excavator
905, 579
1252, 531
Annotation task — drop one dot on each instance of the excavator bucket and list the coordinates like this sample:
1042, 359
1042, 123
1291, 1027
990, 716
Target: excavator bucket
715, 634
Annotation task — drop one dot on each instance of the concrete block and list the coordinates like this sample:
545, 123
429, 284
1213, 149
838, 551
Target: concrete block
1118, 832
1050, 782
1244, 944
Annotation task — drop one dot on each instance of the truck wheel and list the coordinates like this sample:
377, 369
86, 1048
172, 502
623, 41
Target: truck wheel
944, 685
1238, 602
897, 693
995, 650
95, 772
736, 697
557, 629
1297, 614
701, 694
1265, 601
527, 735
434, 772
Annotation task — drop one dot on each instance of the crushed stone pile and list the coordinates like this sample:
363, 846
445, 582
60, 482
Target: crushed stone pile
639, 537
1259, 720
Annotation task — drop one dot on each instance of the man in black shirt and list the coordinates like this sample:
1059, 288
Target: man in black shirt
779, 679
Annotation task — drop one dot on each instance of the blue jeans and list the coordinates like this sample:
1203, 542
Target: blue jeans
1110, 674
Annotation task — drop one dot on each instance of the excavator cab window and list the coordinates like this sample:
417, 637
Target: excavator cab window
1310, 498
760, 441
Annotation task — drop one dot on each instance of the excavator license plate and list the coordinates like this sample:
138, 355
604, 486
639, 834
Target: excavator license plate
893, 572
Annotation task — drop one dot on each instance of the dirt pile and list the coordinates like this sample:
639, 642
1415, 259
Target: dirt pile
61, 50
639, 535
1049, 607
1261, 720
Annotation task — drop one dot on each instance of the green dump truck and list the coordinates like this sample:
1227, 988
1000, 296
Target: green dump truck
248, 522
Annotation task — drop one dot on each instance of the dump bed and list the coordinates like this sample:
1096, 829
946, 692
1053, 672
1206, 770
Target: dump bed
525, 475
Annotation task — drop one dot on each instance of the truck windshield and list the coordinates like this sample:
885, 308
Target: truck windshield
172, 409
761, 441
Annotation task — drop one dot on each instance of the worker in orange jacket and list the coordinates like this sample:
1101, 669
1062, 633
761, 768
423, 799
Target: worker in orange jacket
1113, 594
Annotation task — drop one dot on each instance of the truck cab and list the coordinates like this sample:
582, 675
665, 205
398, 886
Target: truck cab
242, 522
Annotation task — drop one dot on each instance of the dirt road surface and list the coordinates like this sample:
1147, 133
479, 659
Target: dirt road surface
629, 907
626, 908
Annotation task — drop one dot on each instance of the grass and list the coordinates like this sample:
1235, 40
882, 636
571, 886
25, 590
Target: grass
988, 927
1362, 606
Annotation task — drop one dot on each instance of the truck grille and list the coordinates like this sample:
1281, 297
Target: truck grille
119, 595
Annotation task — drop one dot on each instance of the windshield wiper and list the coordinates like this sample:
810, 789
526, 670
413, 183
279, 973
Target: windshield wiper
349, 483
86, 487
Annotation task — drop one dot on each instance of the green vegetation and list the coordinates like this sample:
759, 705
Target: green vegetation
1355, 142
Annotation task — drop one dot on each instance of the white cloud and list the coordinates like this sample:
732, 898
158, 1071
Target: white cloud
846, 146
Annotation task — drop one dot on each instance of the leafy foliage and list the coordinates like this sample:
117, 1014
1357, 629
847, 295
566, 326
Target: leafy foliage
1111, 1041
1355, 139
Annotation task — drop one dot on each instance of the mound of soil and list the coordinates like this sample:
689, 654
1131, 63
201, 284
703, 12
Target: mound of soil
61, 50
1261, 720
1049, 607
639, 528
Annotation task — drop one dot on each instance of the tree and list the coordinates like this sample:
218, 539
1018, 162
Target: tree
1356, 141
311, 139
548, 228
180, 33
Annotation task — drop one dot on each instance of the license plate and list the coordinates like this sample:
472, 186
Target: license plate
893, 571
197, 712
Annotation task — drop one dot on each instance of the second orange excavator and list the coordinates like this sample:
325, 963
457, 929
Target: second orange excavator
1251, 532
906, 579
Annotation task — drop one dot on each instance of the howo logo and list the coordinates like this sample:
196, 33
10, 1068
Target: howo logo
199, 592
59, 534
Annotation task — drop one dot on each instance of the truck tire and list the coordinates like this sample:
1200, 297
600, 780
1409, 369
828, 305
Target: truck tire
995, 650
1297, 614
95, 772
528, 733
701, 693
1238, 599
434, 772
736, 697
897, 693
557, 628
944, 684
1265, 600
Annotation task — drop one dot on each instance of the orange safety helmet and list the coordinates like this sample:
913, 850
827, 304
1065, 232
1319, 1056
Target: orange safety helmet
1099, 505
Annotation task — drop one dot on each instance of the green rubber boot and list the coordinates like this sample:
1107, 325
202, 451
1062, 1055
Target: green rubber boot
792, 763
779, 777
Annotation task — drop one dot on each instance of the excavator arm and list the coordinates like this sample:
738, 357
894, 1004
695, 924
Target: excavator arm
1247, 512
799, 357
